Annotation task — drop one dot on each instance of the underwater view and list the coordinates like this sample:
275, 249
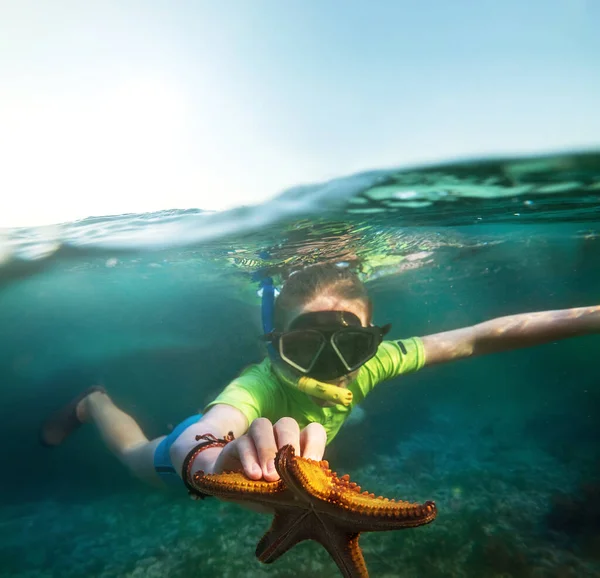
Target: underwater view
163, 310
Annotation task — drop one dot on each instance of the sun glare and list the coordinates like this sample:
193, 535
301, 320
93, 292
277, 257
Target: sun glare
87, 149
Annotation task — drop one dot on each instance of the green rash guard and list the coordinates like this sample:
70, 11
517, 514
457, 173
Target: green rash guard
257, 392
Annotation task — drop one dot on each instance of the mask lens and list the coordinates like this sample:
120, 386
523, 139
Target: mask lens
302, 347
355, 346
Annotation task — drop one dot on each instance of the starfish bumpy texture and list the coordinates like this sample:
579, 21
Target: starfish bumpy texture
312, 503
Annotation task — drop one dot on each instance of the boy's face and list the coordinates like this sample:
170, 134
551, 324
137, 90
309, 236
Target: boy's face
333, 303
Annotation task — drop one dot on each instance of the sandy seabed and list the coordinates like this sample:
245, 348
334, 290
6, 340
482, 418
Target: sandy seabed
507, 508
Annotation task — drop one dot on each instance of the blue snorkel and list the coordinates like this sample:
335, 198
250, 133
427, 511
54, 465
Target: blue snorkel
308, 385
268, 311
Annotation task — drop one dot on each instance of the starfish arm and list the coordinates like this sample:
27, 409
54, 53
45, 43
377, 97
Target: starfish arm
346, 553
366, 513
292, 527
236, 486
287, 529
315, 483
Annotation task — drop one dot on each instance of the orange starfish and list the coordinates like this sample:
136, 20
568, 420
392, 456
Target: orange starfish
312, 503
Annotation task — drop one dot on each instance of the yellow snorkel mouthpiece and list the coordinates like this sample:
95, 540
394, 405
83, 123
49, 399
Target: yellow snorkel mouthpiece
325, 391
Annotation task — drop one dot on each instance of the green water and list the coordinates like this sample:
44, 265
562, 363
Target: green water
163, 310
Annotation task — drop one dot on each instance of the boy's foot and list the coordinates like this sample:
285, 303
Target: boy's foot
64, 421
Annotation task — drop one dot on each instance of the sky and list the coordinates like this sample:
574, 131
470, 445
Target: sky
110, 107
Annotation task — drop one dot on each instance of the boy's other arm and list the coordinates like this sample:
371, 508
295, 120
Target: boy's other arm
511, 332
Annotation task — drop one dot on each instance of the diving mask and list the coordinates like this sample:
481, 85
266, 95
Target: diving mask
326, 345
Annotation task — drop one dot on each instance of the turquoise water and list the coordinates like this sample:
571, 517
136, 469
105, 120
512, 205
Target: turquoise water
163, 310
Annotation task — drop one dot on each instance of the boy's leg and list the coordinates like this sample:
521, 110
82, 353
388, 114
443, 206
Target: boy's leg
119, 431
122, 435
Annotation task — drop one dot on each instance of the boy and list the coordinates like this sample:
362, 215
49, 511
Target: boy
324, 357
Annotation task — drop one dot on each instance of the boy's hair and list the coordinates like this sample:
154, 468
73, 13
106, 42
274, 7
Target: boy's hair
304, 285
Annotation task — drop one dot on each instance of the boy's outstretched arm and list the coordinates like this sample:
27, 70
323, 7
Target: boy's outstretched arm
511, 332
254, 447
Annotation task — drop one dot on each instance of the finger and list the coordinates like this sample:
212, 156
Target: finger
238, 455
313, 439
287, 431
262, 434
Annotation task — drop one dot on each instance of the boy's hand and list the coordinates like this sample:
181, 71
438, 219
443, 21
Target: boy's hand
254, 452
